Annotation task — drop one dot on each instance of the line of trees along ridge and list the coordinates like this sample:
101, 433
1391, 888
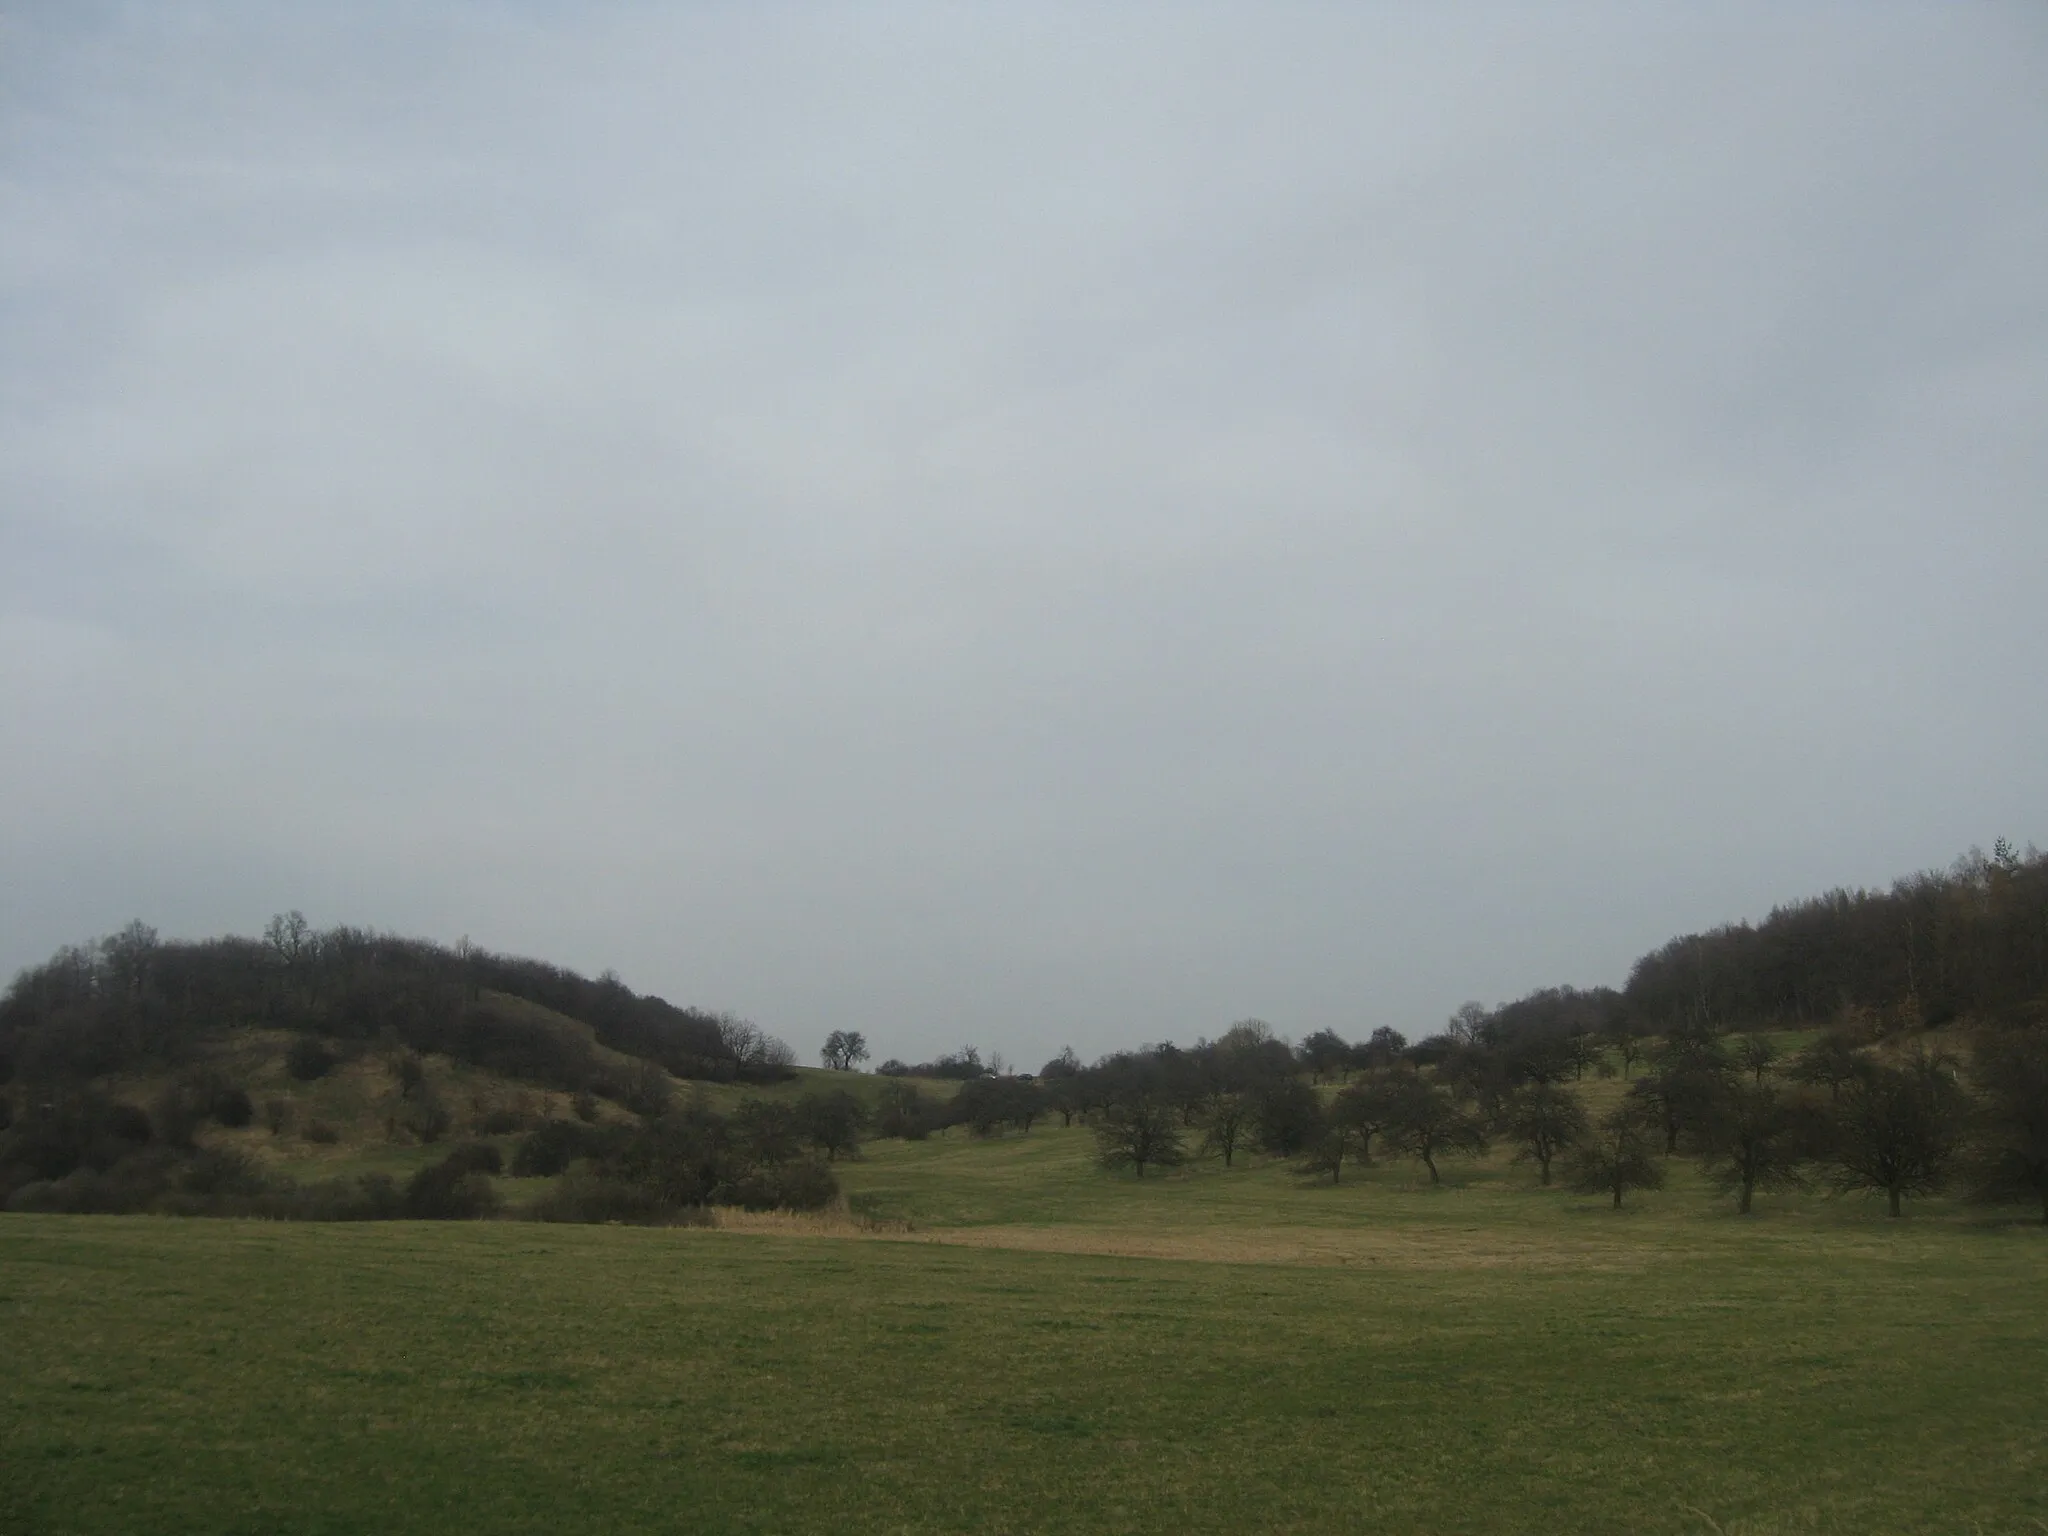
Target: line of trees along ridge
131, 1000
1970, 941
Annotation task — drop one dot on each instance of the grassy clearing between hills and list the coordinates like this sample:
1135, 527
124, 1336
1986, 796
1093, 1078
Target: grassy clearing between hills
1042, 1349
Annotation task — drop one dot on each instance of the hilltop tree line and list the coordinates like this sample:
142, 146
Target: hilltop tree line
1970, 941
132, 1002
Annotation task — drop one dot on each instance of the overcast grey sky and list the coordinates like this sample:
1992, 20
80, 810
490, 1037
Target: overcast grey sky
1017, 524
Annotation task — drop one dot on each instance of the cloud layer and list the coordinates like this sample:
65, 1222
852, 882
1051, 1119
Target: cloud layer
1017, 526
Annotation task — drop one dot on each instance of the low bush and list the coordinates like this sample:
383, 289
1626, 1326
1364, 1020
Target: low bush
449, 1191
588, 1198
551, 1147
373, 1197
425, 1116
798, 1186
309, 1060
477, 1157
231, 1107
128, 1123
321, 1133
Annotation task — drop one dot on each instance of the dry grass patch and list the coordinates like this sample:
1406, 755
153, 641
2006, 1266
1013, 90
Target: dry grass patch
1394, 1247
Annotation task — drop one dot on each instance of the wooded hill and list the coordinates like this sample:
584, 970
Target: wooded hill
131, 1002
1966, 943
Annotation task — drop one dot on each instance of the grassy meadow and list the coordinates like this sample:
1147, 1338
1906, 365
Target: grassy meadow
1028, 1345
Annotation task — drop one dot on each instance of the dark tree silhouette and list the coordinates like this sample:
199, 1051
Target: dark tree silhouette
1326, 1154
1755, 1137
832, 1122
1756, 1053
1363, 1110
1424, 1122
1543, 1121
1227, 1123
1325, 1053
1897, 1131
1832, 1060
2009, 1161
1289, 1116
843, 1048
1138, 1134
1615, 1158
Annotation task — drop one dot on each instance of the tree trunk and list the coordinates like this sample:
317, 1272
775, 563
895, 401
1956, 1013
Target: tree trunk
1430, 1163
1544, 1164
1894, 1193
1617, 1194
1742, 1205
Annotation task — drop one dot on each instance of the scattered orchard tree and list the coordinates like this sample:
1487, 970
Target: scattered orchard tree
1227, 1123
1756, 1137
1326, 1054
1362, 1111
1756, 1053
1288, 1117
1897, 1130
1542, 1121
1617, 1156
1832, 1060
1424, 1122
1137, 1134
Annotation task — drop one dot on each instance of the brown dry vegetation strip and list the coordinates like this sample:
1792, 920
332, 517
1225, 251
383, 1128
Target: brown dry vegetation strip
1405, 1249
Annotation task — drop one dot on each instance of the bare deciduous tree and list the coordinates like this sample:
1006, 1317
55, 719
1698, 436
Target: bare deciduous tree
1617, 1157
1137, 1134
843, 1048
1897, 1131
1543, 1121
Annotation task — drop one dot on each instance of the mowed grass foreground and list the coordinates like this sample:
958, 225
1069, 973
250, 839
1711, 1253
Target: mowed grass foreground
1378, 1357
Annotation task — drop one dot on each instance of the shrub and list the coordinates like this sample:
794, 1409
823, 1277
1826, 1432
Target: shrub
798, 1186
176, 1117
585, 1106
128, 1123
320, 1132
308, 1060
477, 1157
426, 1116
222, 1171
644, 1089
373, 1197
231, 1107
136, 1183
500, 1122
550, 1148
587, 1198
277, 1114
449, 1191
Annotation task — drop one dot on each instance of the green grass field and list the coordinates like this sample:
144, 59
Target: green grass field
1048, 1349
